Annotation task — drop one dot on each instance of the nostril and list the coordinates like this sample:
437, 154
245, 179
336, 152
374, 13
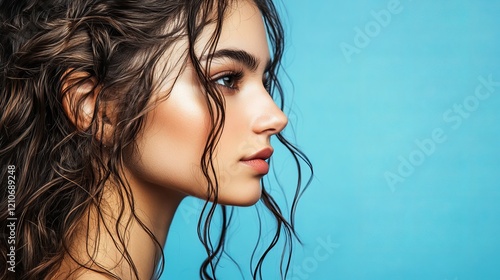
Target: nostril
278, 122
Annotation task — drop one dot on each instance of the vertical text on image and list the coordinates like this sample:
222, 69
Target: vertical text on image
11, 219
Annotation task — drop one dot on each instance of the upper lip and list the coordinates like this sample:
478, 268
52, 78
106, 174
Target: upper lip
262, 154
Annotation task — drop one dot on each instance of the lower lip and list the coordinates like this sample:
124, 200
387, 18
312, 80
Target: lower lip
259, 165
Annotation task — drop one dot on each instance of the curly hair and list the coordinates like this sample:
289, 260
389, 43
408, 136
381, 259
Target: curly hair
61, 169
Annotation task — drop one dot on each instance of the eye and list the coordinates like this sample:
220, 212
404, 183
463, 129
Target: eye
228, 80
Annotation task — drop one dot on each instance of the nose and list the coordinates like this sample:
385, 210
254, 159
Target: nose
270, 119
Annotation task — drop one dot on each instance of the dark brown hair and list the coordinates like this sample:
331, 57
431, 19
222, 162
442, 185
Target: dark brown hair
61, 169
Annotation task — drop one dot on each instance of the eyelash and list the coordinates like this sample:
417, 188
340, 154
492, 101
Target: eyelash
267, 82
235, 78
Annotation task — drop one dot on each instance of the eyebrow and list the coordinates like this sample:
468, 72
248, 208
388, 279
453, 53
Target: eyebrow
247, 59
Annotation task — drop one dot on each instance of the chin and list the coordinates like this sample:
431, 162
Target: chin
241, 195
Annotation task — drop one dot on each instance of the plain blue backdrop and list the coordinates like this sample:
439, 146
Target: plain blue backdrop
397, 105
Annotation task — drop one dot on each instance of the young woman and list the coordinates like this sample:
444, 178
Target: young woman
114, 111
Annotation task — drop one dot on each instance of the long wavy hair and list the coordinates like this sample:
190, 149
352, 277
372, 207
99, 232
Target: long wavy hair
60, 170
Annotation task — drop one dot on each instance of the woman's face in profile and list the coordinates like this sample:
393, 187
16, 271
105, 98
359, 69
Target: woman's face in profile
171, 144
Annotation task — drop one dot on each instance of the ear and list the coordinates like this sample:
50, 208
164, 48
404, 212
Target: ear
79, 94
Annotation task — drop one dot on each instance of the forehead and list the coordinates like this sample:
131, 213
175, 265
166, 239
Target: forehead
242, 29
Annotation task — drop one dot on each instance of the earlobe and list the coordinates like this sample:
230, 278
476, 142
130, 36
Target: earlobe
79, 94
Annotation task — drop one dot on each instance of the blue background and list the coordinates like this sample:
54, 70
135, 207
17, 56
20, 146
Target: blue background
359, 114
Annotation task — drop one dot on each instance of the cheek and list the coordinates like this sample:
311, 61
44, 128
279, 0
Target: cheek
171, 144
236, 140
238, 184
229, 148
236, 126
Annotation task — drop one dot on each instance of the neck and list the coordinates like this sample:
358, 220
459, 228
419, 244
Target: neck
153, 206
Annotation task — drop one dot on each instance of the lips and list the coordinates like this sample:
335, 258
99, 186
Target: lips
258, 160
